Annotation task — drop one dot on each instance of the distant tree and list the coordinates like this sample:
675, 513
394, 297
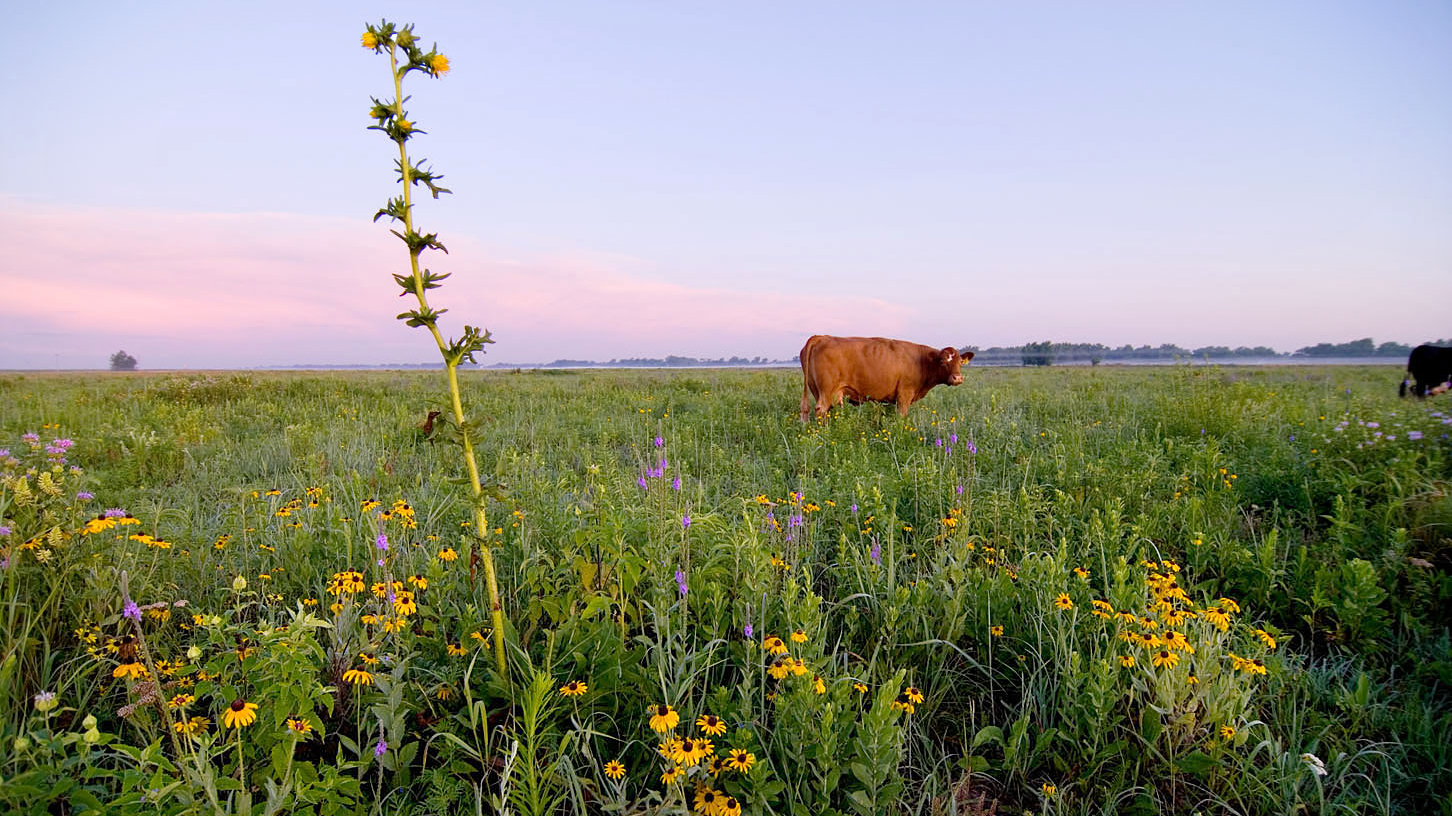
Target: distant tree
1393, 349
1038, 354
121, 361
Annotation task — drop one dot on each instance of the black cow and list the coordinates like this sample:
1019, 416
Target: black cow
1430, 367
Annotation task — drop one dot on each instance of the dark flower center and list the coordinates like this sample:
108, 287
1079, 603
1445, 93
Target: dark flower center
238, 705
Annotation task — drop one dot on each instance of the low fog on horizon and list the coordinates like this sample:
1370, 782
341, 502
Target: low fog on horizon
712, 182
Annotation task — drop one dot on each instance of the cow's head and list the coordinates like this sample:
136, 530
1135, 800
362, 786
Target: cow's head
951, 363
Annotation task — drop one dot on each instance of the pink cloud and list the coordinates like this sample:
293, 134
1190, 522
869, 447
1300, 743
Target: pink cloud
211, 289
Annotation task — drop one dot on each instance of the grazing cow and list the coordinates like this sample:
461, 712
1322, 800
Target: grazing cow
874, 368
1430, 367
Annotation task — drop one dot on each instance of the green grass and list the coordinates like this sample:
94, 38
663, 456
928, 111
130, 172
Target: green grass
1332, 542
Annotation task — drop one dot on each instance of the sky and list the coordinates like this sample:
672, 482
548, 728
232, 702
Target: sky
194, 182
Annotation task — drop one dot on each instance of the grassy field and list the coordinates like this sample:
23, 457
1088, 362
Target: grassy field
1167, 590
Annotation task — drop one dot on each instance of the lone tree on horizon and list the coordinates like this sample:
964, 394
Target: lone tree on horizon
121, 361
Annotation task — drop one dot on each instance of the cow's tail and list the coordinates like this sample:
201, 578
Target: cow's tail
1403, 389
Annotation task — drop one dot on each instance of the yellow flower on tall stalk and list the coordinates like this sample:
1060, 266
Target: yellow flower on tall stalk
448, 554
358, 677
1062, 601
729, 807
1126, 660
181, 701
711, 724
774, 645
574, 688
913, 694
996, 630
818, 685
799, 636
671, 775
663, 718
240, 714
454, 650
1227, 731
299, 726
614, 769
780, 668
1166, 659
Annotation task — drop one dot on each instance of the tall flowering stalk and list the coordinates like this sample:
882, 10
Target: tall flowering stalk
405, 55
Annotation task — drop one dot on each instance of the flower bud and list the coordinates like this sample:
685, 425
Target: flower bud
194, 652
370, 40
45, 701
91, 737
89, 722
21, 744
239, 583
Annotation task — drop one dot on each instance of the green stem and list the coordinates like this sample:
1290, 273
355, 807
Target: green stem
481, 521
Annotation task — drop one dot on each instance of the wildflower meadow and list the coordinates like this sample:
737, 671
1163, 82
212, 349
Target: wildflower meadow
1089, 591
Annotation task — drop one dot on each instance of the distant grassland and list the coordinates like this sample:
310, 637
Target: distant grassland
957, 552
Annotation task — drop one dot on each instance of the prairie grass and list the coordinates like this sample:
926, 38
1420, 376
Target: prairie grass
982, 594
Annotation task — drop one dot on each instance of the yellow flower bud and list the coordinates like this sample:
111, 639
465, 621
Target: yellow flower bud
194, 652
370, 40
239, 583
439, 64
91, 737
89, 722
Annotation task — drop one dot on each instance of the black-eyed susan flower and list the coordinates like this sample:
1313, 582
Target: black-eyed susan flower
671, 775
799, 636
1226, 732
798, 667
773, 645
1048, 789
454, 650
740, 760
1062, 601
818, 685
574, 688
717, 765
708, 801
711, 724
860, 687
663, 718
779, 668
1266, 638
689, 751
448, 554
1126, 660
358, 677
614, 769
129, 671
299, 726
240, 714
192, 727
913, 694
730, 806
996, 631
1165, 659
404, 604
181, 701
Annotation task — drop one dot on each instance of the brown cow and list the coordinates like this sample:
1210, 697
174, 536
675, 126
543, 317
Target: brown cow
874, 368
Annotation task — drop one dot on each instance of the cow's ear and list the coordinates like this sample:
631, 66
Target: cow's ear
967, 355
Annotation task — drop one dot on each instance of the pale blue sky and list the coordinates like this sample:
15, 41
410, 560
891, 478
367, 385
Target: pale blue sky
643, 179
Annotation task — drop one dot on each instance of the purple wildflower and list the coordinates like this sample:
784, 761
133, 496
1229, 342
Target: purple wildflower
643, 484
664, 463
4, 531
953, 439
747, 631
676, 484
381, 748
972, 448
659, 442
1414, 435
681, 581
854, 507
795, 520
960, 490
32, 438
4, 452
876, 553
63, 443
85, 495
131, 611
686, 520
940, 442
115, 512
382, 542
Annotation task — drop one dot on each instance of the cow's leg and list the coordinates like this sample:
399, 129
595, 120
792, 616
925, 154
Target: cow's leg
903, 404
826, 400
806, 404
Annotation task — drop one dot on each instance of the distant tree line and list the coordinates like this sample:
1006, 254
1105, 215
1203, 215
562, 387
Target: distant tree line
1048, 353
670, 361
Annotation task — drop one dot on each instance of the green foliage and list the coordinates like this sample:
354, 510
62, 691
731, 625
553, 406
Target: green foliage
1093, 485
